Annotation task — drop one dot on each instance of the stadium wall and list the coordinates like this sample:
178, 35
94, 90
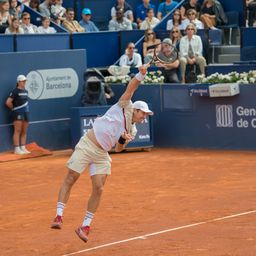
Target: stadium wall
55, 85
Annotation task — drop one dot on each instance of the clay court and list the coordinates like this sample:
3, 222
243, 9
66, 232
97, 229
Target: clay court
163, 202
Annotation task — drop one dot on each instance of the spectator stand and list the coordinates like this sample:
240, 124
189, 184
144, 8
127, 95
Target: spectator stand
36, 18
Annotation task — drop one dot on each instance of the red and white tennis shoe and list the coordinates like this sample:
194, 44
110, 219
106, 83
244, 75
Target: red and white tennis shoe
57, 222
83, 233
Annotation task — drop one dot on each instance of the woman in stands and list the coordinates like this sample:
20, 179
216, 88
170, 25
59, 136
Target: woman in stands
175, 21
5, 17
208, 14
14, 28
130, 58
34, 4
175, 36
17, 102
149, 40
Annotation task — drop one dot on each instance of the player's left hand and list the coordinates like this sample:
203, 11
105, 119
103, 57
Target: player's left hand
143, 69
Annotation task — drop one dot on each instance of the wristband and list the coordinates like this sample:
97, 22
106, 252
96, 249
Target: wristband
121, 140
139, 77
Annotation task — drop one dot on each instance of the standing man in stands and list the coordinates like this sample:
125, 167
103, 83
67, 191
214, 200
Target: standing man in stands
251, 6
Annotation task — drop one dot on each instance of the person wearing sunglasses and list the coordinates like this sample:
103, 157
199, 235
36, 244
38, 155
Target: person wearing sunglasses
191, 51
175, 36
175, 21
27, 27
191, 4
192, 18
151, 21
130, 58
149, 40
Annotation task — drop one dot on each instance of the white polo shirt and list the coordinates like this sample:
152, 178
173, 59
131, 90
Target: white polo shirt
109, 127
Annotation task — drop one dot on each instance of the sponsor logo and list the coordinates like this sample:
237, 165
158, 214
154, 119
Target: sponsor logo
52, 83
224, 116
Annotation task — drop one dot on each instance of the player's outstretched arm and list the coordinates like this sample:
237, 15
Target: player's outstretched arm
134, 83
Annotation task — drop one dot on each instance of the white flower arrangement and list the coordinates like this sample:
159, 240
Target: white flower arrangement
152, 77
232, 77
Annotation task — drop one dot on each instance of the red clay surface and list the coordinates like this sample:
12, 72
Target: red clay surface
147, 192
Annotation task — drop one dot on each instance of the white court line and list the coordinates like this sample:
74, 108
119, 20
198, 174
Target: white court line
161, 232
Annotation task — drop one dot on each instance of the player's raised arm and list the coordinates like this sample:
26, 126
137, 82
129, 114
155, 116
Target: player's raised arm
134, 83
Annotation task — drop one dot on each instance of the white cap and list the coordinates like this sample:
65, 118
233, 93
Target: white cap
143, 106
21, 78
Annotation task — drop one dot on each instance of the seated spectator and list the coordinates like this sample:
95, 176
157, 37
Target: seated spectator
141, 11
5, 17
191, 51
208, 14
149, 40
175, 21
45, 28
14, 28
150, 21
165, 7
127, 9
26, 25
34, 4
86, 22
70, 24
130, 58
57, 11
192, 18
15, 10
45, 8
170, 70
251, 6
119, 22
191, 4
175, 36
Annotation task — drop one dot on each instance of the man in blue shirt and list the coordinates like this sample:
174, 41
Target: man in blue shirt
86, 23
165, 8
141, 11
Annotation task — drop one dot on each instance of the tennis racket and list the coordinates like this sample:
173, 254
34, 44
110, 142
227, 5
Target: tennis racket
166, 55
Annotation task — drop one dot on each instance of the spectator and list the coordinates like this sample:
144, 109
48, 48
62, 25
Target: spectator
130, 58
26, 25
175, 21
251, 6
5, 17
170, 70
58, 11
119, 22
14, 28
70, 24
192, 18
86, 23
141, 11
165, 7
15, 10
190, 4
191, 51
150, 21
149, 40
45, 27
34, 4
208, 14
17, 102
127, 10
175, 36
45, 8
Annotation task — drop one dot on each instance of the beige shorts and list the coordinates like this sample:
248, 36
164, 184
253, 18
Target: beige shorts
88, 154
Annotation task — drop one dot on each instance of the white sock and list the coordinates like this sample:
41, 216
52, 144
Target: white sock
60, 208
88, 218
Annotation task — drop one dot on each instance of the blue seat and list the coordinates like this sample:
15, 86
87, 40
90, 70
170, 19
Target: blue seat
215, 39
233, 22
248, 53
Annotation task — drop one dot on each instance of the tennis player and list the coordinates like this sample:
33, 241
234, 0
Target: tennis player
115, 128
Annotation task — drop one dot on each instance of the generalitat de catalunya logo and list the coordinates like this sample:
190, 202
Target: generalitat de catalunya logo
224, 116
52, 83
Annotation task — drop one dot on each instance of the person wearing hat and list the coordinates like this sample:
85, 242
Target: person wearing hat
86, 22
170, 70
17, 102
116, 128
